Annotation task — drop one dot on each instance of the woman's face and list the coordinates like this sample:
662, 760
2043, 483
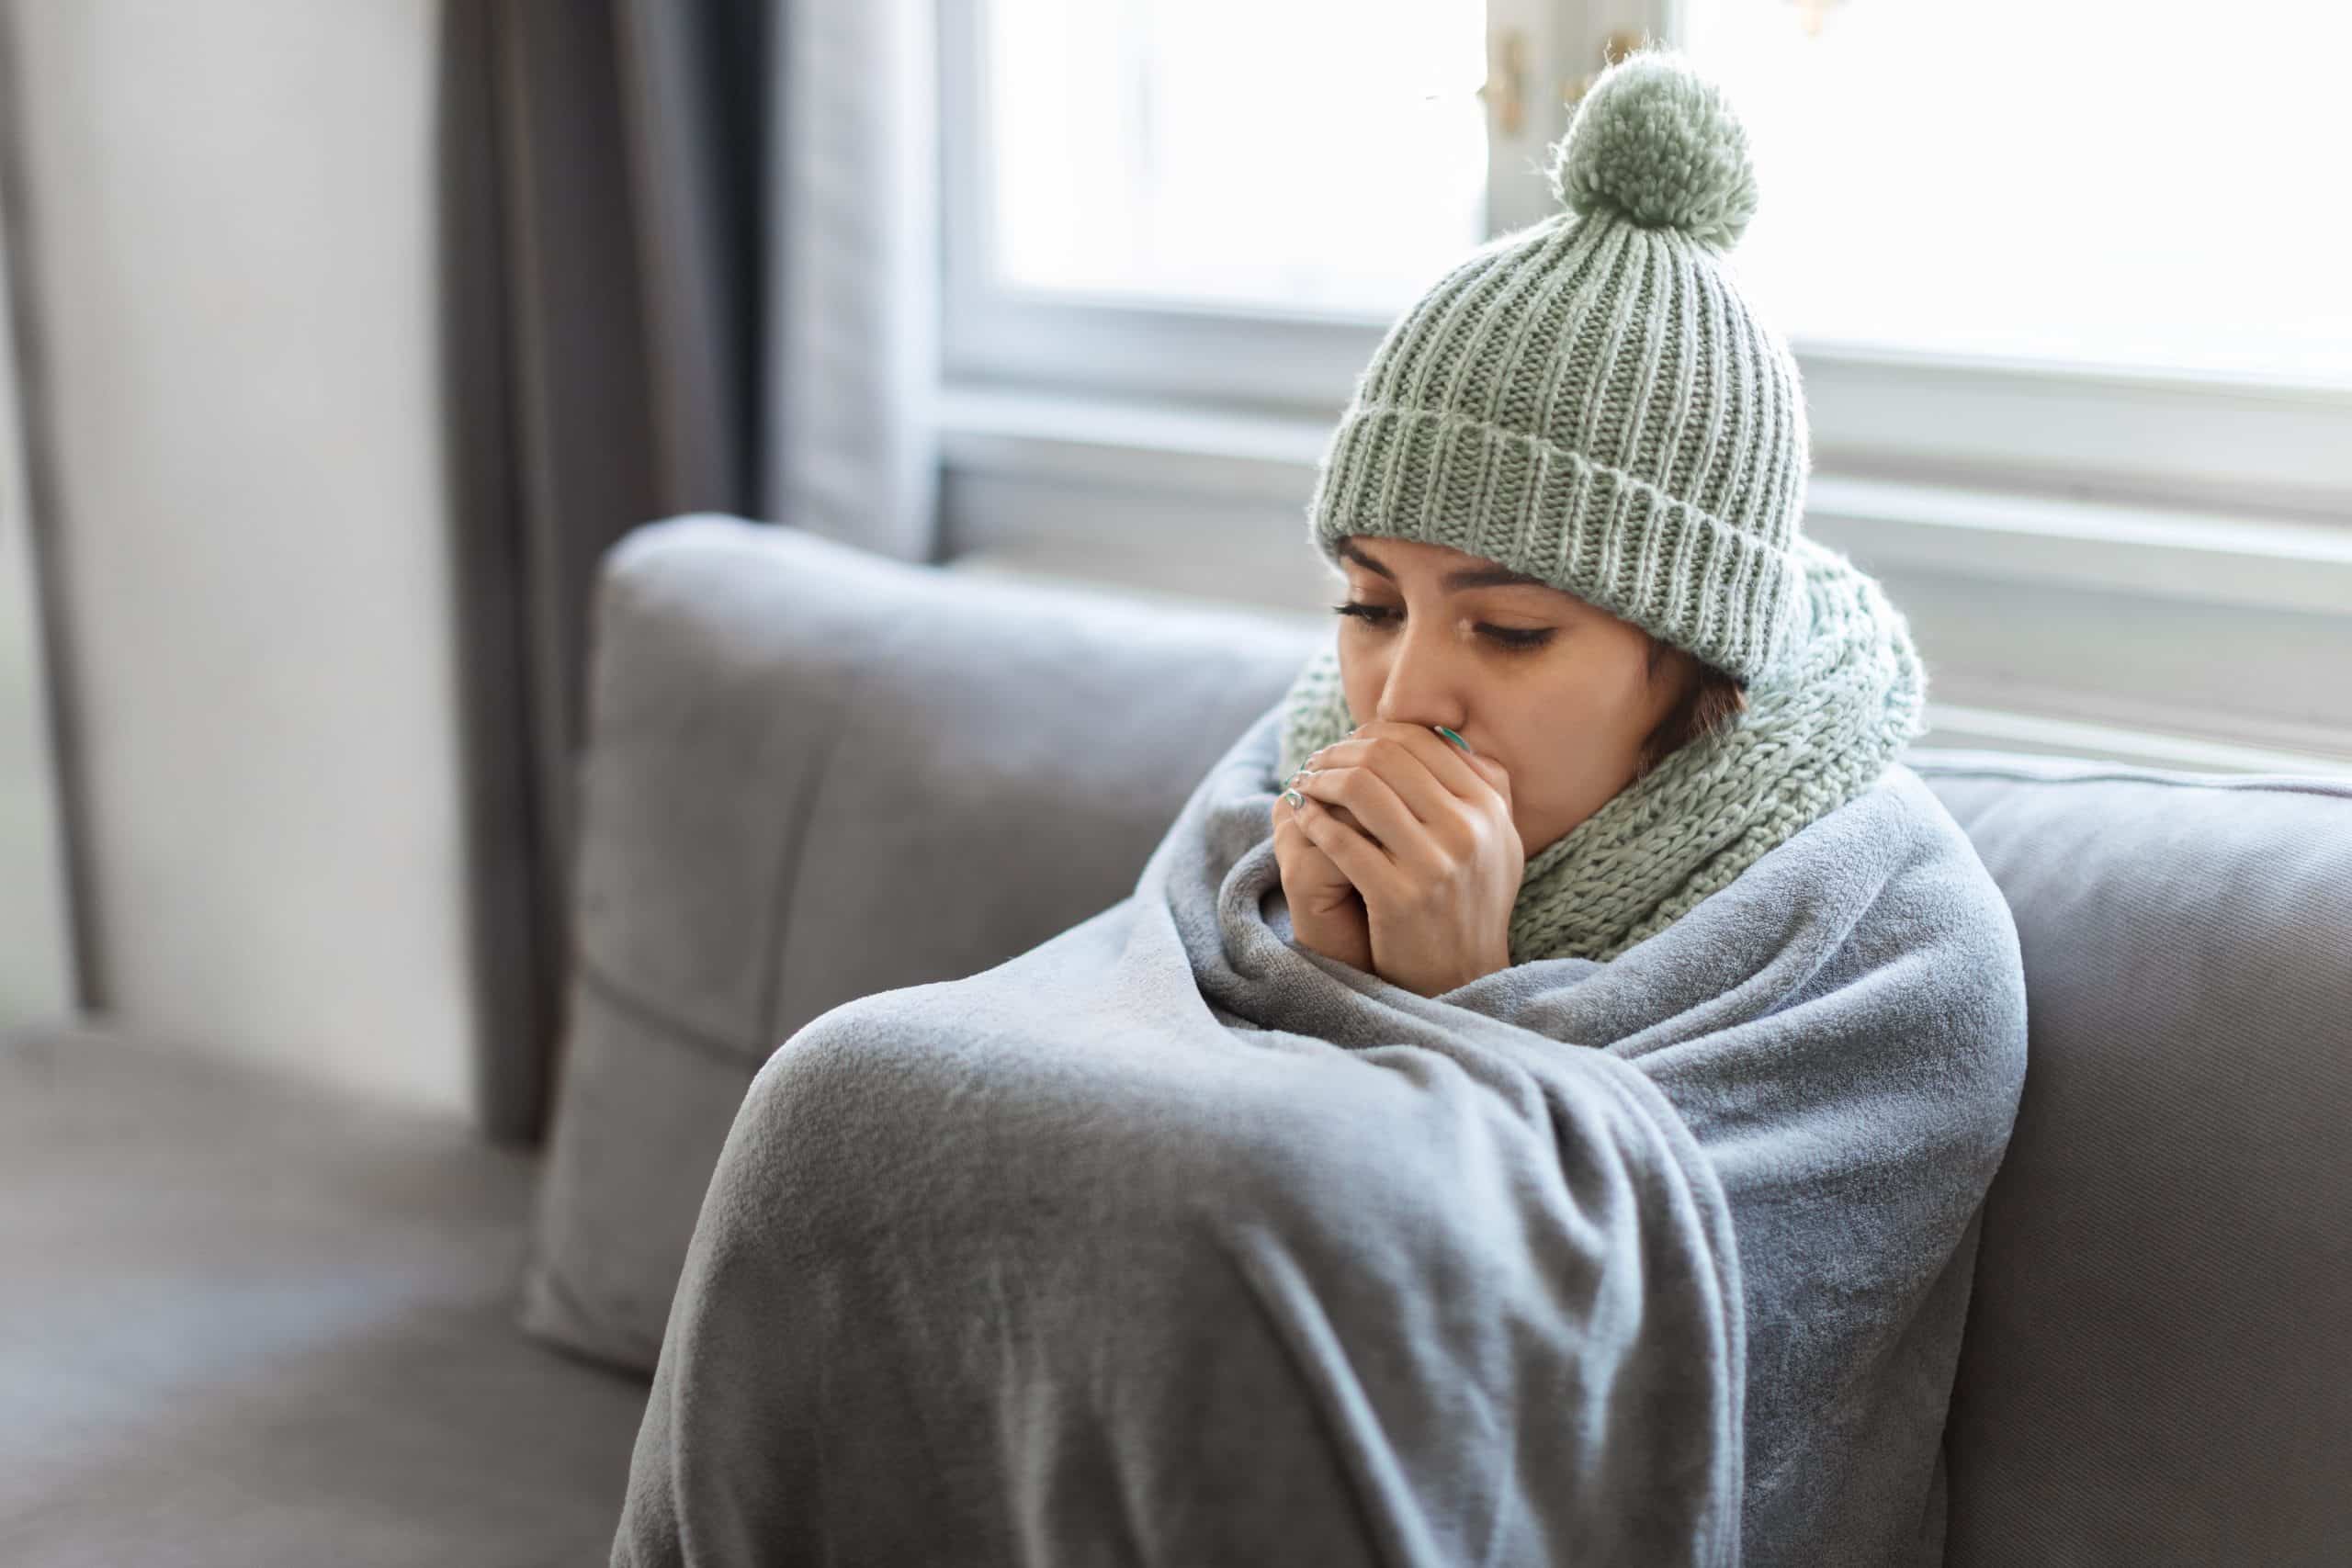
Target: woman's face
1553, 688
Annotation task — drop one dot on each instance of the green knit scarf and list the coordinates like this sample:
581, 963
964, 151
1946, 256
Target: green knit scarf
1818, 730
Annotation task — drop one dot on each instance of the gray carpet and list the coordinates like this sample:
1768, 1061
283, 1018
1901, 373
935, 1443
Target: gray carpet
243, 1321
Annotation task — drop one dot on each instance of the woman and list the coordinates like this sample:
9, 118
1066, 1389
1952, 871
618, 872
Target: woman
1366, 1187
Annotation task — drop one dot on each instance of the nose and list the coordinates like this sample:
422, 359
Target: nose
1428, 676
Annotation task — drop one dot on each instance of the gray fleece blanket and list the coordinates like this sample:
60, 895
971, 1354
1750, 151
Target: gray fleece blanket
1166, 1242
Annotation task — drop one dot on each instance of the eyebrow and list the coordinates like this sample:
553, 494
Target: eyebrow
1454, 581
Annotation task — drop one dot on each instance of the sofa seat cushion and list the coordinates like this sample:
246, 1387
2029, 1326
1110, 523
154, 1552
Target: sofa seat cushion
249, 1321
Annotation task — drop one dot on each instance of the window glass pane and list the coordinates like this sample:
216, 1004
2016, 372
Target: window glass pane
2131, 181
1318, 154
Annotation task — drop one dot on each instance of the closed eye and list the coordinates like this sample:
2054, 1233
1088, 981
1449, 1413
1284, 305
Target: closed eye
1517, 639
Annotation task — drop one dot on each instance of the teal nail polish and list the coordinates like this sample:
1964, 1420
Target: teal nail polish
1298, 801
1450, 735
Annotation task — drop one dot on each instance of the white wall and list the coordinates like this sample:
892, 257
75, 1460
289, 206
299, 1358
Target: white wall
230, 233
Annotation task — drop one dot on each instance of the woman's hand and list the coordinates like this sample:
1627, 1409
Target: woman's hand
1431, 849
1327, 915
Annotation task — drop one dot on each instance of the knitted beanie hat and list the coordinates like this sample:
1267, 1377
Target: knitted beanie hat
1590, 399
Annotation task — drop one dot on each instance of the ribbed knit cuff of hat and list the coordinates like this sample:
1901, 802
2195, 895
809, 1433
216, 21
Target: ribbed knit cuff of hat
1603, 535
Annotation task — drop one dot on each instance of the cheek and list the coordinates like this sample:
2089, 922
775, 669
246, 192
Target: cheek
1361, 675
1565, 741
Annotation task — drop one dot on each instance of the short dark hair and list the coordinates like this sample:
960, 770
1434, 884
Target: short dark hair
1714, 699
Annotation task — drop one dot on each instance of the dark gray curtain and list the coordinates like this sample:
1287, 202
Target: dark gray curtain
606, 180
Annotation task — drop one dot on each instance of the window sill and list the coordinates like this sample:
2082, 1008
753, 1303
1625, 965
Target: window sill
1886, 524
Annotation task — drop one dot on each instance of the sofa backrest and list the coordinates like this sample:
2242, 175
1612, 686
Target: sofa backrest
2156, 1365
814, 773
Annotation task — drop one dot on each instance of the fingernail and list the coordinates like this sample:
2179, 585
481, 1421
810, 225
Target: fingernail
1296, 800
1450, 735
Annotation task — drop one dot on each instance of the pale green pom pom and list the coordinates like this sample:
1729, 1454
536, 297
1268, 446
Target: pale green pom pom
1656, 141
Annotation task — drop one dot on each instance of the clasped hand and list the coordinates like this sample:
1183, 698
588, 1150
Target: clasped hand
1400, 857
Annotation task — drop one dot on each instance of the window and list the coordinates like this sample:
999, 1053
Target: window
2069, 247
2131, 183
1314, 156
1220, 201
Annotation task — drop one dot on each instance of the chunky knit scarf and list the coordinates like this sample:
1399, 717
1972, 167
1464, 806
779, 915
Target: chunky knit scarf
1819, 730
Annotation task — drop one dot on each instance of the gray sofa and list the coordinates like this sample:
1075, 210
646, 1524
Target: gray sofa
245, 1321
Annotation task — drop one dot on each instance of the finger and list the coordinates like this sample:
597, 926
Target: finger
1405, 776
1447, 760
1296, 852
1434, 788
1288, 839
1380, 814
1359, 859
1444, 769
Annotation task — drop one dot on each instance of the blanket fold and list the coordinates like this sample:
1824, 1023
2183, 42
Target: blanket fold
1169, 1242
